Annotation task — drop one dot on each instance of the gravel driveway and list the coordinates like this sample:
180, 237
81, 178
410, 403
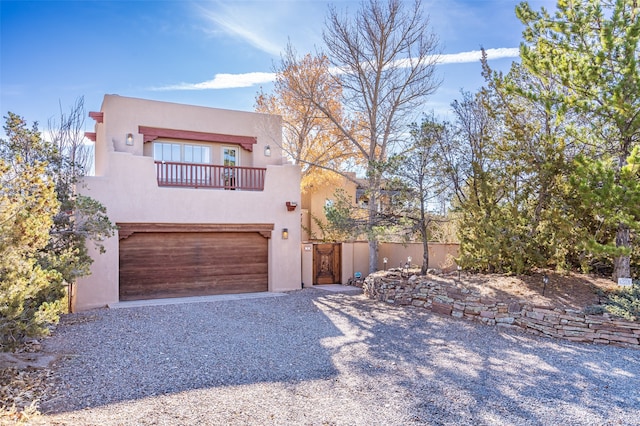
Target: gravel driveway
319, 358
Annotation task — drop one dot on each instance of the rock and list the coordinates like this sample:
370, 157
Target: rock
25, 360
441, 308
514, 307
449, 298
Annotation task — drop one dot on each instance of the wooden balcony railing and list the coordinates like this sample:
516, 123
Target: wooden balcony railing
189, 175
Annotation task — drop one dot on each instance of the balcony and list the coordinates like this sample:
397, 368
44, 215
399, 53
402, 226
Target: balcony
189, 175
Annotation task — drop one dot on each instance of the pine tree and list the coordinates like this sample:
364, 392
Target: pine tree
590, 49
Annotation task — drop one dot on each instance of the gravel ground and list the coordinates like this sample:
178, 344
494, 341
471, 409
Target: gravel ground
319, 358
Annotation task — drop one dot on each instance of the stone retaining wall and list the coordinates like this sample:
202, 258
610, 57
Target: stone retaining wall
446, 298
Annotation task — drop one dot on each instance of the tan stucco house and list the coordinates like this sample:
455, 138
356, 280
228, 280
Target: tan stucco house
204, 202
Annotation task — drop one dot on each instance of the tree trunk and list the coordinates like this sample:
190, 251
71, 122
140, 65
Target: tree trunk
622, 264
373, 255
425, 257
425, 249
373, 240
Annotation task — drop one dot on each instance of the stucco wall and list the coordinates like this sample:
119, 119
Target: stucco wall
307, 264
305, 221
355, 257
314, 202
123, 115
361, 258
441, 255
125, 183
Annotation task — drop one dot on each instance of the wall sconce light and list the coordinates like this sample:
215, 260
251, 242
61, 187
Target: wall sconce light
291, 206
267, 151
285, 234
129, 139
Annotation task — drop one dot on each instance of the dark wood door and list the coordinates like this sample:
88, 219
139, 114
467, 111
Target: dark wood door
178, 264
327, 264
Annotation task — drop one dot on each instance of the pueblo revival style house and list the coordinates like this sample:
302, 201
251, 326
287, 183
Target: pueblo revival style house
203, 199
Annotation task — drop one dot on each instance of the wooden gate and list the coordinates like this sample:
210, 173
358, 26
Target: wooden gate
327, 263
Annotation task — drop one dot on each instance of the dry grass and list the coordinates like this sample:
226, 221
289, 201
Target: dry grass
571, 290
20, 392
25, 379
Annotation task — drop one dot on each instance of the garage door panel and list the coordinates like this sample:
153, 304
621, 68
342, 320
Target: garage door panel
189, 289
150, 273
197, 276
176, 264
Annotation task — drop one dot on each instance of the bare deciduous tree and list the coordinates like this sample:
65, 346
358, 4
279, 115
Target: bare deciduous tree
383, 56
67, 136
309, 138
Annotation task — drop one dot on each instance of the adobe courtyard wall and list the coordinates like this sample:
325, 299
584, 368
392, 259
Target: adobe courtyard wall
445, 298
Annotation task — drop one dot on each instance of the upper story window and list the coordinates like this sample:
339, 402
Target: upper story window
197, 154
230, 156
181, 153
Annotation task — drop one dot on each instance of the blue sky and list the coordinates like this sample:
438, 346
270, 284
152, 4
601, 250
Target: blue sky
199, 52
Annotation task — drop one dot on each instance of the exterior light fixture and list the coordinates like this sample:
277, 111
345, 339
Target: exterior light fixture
267, 151
545, 280
405, 270
285, 233
129, 139
459, 270
407, 266
385, 260
291, 206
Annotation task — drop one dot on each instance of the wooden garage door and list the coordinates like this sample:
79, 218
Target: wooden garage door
178, 264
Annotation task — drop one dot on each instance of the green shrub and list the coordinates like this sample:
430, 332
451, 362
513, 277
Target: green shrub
625, 303
594, 310
44, 227
28, 292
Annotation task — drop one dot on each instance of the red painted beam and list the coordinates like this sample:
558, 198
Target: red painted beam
153, 133
97, 116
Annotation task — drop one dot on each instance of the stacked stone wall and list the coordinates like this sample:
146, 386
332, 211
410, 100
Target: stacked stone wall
443, 297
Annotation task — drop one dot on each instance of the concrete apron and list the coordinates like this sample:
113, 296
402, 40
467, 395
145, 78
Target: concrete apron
193, 299
334, 288
339, 288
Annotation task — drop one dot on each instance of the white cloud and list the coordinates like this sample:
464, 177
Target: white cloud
225, 81
475, 55
234, 23
471, 56
232, 81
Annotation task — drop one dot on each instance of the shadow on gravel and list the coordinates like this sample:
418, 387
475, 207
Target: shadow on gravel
423, 368
130, 354
466, 373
